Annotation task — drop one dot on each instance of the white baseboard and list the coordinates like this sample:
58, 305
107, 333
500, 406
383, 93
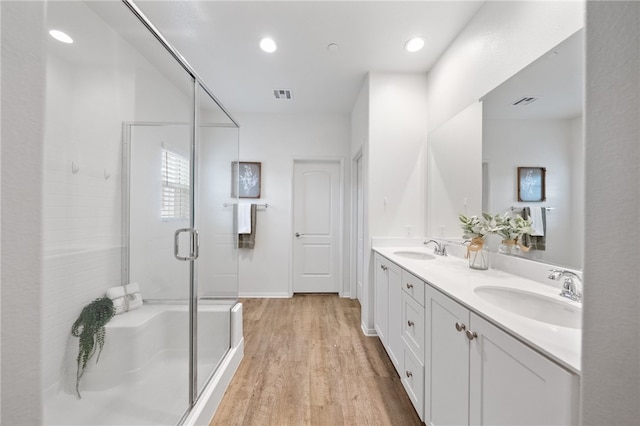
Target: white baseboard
369, 332
264, 295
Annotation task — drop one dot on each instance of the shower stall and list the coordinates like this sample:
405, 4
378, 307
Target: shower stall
137, 193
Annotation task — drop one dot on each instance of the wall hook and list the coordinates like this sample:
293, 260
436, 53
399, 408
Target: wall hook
74, 168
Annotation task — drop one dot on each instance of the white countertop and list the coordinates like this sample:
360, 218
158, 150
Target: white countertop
452, 276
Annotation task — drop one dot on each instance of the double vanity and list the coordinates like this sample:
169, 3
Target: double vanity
477, 347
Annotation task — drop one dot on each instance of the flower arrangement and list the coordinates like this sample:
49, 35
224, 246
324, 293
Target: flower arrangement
511, 228
475, 227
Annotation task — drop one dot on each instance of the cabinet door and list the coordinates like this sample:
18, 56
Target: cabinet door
381, 299
394, 332
511, 384
446, 361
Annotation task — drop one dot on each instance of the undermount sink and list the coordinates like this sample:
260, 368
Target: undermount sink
419, 255
532, 305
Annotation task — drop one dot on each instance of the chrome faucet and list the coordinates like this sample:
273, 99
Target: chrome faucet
440, 249
572, 286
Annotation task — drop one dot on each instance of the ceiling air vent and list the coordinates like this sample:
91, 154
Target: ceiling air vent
284, 94
525, 101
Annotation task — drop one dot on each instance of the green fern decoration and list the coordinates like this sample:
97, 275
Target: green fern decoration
89, 327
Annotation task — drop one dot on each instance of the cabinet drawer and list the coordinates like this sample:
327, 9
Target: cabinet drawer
413, 380
413, 325
413, 286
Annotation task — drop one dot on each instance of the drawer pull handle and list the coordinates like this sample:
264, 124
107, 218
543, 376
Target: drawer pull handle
460, 326
471, 334
410, 323
409, 286
408, 373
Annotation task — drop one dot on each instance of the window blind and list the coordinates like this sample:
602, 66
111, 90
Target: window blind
175, 186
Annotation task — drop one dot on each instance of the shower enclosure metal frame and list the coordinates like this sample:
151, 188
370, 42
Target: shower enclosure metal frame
193, 255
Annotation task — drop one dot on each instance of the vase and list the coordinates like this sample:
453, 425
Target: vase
509, 247
478, 254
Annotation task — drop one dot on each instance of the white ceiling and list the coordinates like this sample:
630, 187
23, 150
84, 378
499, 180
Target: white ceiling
220, 41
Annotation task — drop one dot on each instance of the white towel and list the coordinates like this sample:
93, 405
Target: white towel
537, 225
125, 297
244, 218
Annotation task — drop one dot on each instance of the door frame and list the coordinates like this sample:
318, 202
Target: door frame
340, 162
353, 244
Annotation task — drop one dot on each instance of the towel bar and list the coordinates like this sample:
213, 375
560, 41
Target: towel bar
265, 205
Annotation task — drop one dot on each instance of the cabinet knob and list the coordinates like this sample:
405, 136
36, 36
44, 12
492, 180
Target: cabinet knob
471, 334
384, 268
408, 373
460, 326
409, 286
410, 323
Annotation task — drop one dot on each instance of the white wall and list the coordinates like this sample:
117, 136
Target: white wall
23, 92
397, 136
611, 340
276, 140
389, 125
360, 144
454, 160
509, 144
501, 39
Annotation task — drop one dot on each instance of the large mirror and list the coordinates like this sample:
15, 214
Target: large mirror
533, 120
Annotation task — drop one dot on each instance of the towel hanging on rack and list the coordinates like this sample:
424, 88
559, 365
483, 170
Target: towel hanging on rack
535, 242
244, 218
537, 223
248, 240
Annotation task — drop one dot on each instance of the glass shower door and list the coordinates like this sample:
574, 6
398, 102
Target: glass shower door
159, 204
216, 273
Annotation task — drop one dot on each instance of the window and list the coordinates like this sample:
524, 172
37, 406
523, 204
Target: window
175, 186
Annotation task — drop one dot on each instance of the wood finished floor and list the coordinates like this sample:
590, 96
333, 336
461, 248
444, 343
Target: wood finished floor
306, 362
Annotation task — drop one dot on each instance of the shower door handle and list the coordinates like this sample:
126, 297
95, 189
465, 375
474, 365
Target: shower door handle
194, 240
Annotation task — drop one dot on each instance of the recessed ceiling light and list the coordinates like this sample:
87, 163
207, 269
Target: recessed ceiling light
414, 44
60, 36
268, 45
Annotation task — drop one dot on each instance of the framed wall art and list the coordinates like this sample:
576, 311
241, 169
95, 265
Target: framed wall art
531, 184
246, 179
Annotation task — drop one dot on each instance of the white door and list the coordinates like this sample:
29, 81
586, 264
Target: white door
316, 227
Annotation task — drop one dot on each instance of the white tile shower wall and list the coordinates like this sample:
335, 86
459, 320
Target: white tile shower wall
85, 107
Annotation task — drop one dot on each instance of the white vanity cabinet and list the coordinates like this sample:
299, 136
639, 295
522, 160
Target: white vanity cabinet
478, 374
387, 305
